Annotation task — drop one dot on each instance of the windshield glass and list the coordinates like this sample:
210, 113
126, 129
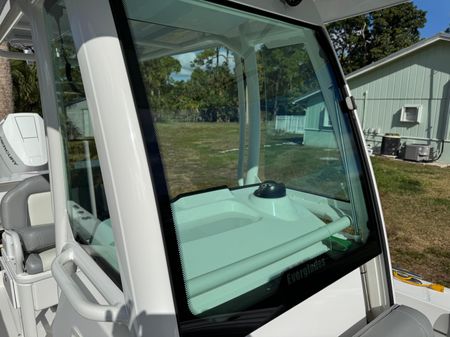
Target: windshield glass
87, 208
260, 163
194, 80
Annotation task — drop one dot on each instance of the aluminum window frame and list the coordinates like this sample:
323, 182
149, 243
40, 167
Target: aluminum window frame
418, 114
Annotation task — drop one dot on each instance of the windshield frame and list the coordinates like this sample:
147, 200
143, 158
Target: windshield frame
373, 248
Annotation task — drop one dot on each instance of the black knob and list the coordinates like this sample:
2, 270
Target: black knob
270, 189
292, 3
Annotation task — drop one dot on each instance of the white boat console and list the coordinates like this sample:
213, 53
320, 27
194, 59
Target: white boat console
262, 234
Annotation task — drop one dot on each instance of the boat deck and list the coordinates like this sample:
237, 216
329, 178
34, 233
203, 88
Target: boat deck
435, 305
8, 323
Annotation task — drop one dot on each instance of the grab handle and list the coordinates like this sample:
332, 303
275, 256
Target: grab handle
114, 311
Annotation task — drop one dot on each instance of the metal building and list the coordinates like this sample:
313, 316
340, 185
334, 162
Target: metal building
407, 93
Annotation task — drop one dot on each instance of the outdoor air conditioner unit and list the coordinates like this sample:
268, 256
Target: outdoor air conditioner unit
418, 152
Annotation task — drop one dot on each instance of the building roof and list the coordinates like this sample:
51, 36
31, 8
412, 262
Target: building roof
307, 96
419, 45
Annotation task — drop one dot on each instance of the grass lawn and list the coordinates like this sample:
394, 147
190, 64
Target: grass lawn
202, 155
416, 205
415, 197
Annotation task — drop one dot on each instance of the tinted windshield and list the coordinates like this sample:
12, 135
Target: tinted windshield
260, 164
194, 80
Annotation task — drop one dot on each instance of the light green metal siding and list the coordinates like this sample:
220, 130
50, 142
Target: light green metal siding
320, 138
313, 115
422, 77
315, 133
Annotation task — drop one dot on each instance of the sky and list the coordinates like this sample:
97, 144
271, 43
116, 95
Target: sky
438, 16
186, 70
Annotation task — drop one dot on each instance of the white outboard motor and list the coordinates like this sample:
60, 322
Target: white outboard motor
23, 148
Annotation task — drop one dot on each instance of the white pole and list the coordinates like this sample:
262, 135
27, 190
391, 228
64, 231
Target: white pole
87, 154
253, 106
242, 116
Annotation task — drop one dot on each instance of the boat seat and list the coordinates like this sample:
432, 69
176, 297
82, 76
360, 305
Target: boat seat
398, 321
38, 263
37, 239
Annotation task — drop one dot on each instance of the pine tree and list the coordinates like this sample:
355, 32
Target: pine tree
365, 39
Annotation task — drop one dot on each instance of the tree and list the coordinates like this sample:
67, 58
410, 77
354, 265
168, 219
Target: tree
25, 87
6, 95
213, 85
286, 74
365, 39
448, 29
159, 83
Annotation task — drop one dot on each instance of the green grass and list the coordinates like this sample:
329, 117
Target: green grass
186, 147
201, 155
416, 205
441, 202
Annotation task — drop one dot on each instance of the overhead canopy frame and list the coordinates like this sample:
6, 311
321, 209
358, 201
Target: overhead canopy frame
14, 26
16, 29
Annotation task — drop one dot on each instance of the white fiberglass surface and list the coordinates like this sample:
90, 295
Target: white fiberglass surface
264, 185
8, 323
25, 132
257, 249
328, 313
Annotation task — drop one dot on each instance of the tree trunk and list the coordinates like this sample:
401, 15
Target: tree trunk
6, 92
